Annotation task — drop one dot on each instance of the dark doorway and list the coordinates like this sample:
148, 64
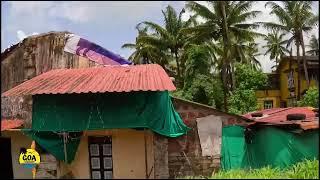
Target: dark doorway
6, 170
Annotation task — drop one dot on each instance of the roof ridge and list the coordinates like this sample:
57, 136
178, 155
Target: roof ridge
281, 110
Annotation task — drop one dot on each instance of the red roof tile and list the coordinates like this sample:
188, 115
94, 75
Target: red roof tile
278, 116
151, 77
10, 124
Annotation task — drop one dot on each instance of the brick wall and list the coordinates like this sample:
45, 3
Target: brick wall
184, 153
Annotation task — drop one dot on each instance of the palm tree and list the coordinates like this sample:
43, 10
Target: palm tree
224, 20
314, 46
169, 37
295, 17
275, 46
145, 53
251, 53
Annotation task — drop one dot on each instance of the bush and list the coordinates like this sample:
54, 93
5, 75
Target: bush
311, 98
242, 101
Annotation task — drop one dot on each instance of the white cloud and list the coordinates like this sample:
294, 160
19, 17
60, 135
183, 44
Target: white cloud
48, 15
43, 16
21, 35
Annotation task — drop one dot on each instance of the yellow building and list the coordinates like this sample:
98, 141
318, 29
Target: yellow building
282, 89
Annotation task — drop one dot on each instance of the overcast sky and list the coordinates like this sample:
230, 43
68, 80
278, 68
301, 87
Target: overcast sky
109, 23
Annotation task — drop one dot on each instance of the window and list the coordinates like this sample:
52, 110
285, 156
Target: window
100, 154
268, 104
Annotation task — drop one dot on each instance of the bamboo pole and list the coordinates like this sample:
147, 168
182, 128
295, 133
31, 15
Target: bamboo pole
65, 147
145, 152
12, 130
33, 146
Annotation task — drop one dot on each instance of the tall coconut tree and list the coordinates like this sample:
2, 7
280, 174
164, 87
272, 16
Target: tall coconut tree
251, 54
275, 46
145, 53
169, 36
295, 17
224, 20
314, 46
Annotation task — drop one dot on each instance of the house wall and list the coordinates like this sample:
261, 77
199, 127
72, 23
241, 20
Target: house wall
282, 94
284, 80
18, 140
264, 95
128, 154
33, 56
184, 153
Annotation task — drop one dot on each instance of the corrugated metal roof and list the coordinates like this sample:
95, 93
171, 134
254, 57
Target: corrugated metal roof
150, 77
278, 117
10, 124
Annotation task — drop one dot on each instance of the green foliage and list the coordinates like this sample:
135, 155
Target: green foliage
200, 85
204, 90
311, 98
243, 98
275, 45
307, 169
249, 78
242, 101
314, 46
304, 170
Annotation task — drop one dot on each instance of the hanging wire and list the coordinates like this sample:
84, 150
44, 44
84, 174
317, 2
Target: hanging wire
89, 119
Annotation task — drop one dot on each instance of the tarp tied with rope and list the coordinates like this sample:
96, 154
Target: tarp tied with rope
80, 112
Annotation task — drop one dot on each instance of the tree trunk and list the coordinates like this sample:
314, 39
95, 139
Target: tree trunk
233, 77
225, 54
290, 61
179, 79
299, 71
225, 88
304, 60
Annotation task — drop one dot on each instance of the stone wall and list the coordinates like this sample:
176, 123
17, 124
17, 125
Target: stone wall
184, 153
161, 168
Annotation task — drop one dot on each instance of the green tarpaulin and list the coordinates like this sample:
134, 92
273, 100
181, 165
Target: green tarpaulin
54, 143
267, 146
79, 112
232, 147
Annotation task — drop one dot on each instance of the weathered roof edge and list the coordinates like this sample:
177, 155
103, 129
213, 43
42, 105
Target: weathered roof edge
211, 108
308, 58
10, 49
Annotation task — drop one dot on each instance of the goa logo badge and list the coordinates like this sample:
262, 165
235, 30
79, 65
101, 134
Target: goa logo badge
29, 158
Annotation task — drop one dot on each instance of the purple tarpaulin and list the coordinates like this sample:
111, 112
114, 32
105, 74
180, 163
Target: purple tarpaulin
82, 47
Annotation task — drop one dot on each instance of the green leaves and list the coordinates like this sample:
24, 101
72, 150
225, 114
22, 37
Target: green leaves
307, 169
243, 99
314, 46
311, 98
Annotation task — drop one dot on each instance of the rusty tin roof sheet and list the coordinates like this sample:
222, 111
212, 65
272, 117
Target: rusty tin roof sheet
278, 117
150, 77
10, 124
